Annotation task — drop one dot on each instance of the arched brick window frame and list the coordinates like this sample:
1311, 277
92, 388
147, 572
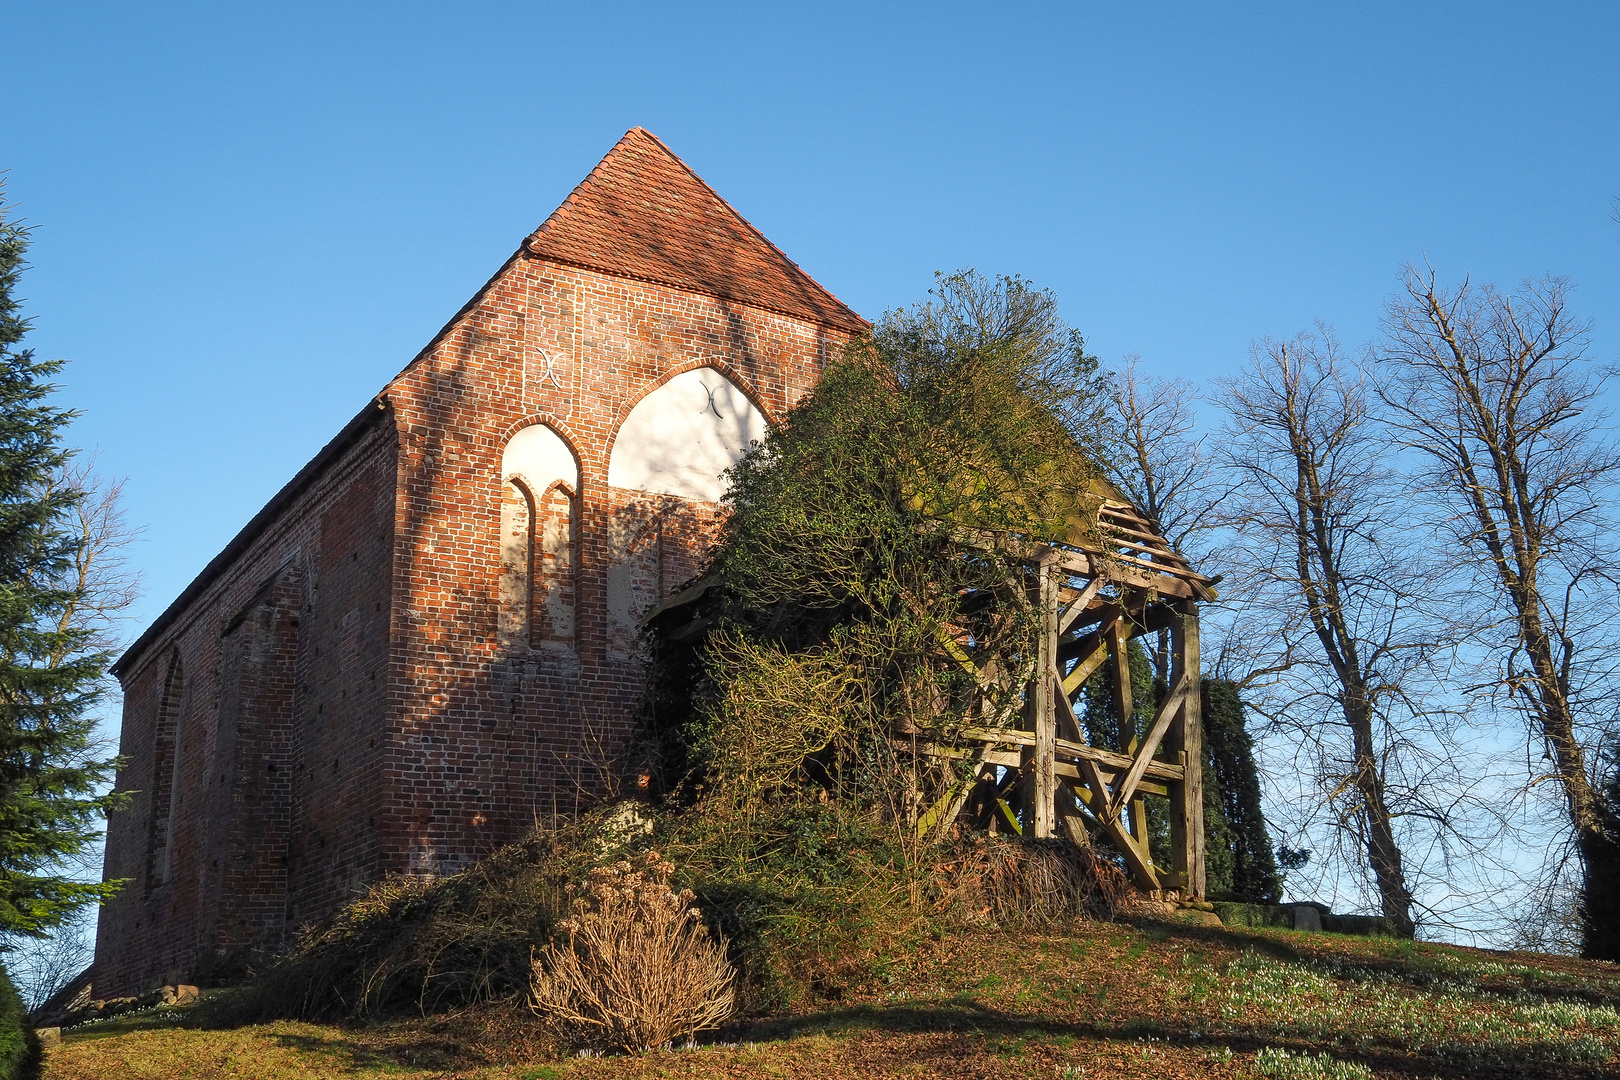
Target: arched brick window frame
539, 538
165, 759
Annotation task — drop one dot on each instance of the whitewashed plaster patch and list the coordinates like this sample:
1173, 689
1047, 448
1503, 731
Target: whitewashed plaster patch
538, 457
683, 436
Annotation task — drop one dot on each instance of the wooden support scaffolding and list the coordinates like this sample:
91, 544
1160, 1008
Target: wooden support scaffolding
1021, 758
1043, 777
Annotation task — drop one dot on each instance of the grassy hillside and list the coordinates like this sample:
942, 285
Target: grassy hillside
1136, 998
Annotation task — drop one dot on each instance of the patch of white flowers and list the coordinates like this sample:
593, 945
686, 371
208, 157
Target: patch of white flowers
1281, 1065
1361, 1007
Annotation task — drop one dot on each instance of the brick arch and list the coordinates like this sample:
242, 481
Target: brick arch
571, 439
737, 378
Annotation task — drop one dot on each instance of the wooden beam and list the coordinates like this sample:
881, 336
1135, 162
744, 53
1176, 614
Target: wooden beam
1007, 759
1078, 605
938, 818
1111, 759
1074, 826
1187, 742
1118, 569
1064, 770
1068, 722
1119, 657
1136, 857
1042, 790
1143, 754
1087, 665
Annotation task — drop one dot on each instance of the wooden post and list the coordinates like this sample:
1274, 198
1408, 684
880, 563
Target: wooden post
1043, 709
1185, 740
1124, 706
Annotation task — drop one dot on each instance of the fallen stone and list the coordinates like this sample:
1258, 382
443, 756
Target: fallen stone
186, 994
1306, 917
1198, 917
48, 1036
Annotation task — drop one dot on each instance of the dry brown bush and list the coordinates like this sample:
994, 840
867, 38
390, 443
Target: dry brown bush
1016, 882
639, 969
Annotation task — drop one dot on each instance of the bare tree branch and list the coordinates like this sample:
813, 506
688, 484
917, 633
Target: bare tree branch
1494, 392
1339, 606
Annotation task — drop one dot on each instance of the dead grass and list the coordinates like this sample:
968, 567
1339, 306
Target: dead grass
1087, 999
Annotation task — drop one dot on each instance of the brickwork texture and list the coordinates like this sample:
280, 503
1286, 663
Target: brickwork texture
410, 656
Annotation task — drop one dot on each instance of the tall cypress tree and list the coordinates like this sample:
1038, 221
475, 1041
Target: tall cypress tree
1230, 756
51, 673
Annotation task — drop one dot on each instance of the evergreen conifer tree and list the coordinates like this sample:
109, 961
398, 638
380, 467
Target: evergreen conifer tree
1249, 858
51, 672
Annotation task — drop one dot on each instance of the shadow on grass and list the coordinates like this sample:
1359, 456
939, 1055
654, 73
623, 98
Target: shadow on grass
1415, 964
354, 1054
973, 1026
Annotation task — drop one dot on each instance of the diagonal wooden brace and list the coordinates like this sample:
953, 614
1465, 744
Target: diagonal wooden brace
1087, 666
1141, 865
1078, 605
1150, 746
1068, 723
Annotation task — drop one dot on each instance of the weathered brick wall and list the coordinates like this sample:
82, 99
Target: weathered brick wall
299, 616
484, 736
353, 701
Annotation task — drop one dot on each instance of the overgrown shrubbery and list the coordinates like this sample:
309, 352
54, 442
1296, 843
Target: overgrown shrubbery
426, 944
814, 898
844, 604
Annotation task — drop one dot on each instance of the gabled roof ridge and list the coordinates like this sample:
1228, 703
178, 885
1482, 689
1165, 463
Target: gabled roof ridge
721, 199
557, 216
841, 315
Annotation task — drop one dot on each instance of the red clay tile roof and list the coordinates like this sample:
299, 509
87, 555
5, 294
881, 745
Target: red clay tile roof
644, 214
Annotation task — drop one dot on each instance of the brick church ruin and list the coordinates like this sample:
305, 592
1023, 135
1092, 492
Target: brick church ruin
427, 638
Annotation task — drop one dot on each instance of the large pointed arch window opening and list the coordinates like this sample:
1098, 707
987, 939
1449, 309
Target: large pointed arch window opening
681, 438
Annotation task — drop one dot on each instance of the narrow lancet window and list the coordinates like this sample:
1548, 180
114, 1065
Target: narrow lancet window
160, 826
539, 541
553, 619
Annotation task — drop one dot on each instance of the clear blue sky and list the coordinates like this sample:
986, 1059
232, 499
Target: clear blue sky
250, 216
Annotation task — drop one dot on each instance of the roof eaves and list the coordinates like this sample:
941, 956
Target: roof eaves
352, 432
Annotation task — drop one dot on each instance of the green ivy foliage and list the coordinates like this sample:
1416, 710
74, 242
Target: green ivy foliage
841, 587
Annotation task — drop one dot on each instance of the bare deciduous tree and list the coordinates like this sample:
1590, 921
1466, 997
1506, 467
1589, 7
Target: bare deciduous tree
103, 584
1335, 597
1494, 391
1163, 467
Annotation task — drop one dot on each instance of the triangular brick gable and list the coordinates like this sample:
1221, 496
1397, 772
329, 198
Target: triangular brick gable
644, 214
